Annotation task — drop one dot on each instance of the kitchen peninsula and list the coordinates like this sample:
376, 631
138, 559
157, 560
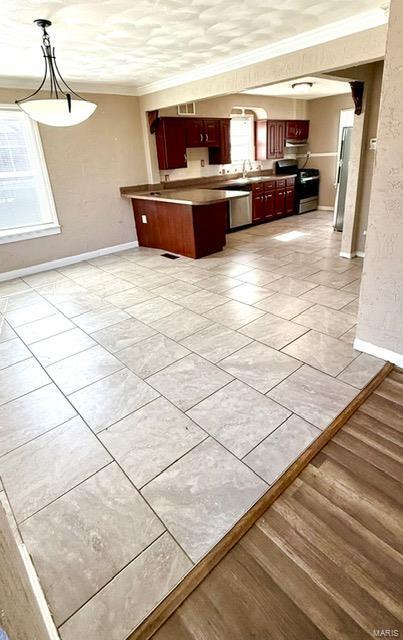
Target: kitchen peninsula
190, 222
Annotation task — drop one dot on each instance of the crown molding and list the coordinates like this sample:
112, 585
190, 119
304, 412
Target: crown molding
12, 82
332, 31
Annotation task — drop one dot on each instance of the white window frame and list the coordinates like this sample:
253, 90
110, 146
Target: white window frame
41, 229
243, 116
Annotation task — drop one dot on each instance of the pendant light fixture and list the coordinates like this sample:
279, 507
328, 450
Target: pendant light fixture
64, 107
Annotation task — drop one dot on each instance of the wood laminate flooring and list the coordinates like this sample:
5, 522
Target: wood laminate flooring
325, 560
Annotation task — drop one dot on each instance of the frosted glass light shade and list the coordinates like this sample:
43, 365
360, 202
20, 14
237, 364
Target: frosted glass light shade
302, 87
55, 112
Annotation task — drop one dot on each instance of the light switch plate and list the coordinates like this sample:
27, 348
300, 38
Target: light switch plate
144, 218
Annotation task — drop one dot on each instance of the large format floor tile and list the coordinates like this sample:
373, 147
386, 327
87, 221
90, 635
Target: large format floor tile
21, 378
215, 342
100, 318
123, 334
328, 297
105, 402
273, 331
322, 352
334, 323
284, 306
272, 456
6, 332
313, 395
123, 603
181, 324
30, 313
260, 366
203, 301
61, 346
234, 314
361, 371
104, 523
42, 470
13, 351
238, 417
44, 328
202, 495
151, 355
188, 381
31, 415
82, 369
153, 309
149, 440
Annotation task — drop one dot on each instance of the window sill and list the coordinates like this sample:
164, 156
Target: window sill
29, 233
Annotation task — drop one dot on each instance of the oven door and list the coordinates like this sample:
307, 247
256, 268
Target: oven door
308, 187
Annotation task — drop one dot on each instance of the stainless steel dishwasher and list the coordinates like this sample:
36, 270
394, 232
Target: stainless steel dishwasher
240, 211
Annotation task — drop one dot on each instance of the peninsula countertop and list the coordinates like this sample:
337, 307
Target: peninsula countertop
187, 196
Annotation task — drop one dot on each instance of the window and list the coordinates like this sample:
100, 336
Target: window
241, 138
27, 208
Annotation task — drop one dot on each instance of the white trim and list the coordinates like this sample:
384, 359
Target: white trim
36, 231
378, 352
327, 154
323, 208
41, 175
326, 33
353, 254
38, 593
65, 262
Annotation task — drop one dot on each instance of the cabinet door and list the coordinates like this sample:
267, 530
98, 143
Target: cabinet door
279, 202
303, 129
257, 210
291, 129
271, 139
211, 133
221, 154
289, 200
171, 143
280, 137
269, 204
195, 132
261, 140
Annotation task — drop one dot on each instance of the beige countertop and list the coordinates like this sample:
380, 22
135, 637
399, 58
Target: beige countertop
188, 196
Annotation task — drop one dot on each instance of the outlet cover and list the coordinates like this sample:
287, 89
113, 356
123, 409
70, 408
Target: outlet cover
144, 218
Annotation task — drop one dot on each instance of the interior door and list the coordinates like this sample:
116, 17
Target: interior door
342, 178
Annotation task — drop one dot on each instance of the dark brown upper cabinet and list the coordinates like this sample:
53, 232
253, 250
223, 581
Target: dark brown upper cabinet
202, 132
221, 154
174, 135
171, 143
269, 139
297, 130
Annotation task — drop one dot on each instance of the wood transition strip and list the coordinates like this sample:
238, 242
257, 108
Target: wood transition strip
196, 575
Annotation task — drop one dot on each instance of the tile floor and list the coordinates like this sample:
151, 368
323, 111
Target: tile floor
146, 404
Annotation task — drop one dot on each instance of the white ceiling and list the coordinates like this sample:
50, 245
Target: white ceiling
133, 43
321, 87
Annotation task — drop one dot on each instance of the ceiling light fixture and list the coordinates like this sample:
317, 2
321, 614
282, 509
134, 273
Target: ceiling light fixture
60, 109
302, 87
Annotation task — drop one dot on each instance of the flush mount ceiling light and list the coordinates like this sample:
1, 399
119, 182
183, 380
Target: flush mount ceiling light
302, 87
64, 107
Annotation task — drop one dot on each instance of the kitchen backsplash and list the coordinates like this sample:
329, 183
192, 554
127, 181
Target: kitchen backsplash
195, 157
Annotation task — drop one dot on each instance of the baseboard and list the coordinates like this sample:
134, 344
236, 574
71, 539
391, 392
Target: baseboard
322, 208
379, 352
353, 254
65, 262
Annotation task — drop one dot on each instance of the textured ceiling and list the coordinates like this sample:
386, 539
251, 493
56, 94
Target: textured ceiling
135, 42
321, 87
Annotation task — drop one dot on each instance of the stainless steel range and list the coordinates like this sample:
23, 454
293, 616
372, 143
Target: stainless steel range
306, 187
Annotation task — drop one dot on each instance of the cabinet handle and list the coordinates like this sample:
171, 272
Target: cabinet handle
185, 156
206, 137
201, 137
